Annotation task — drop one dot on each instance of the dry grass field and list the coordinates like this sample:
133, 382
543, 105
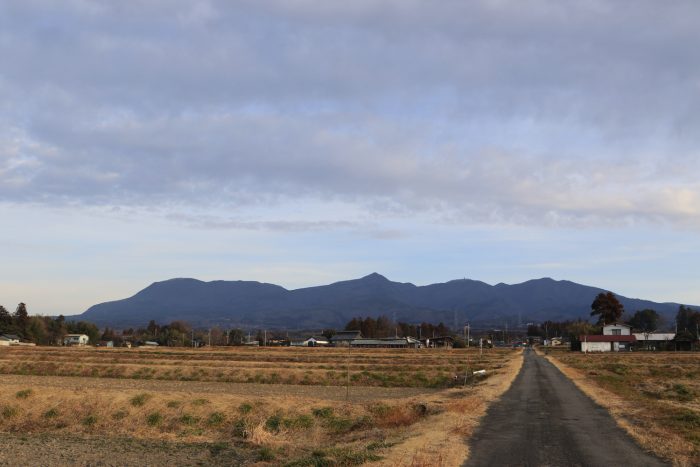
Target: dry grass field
654, 396
241, 406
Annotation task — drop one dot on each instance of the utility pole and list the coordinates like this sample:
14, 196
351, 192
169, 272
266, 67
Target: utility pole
347, 376
209, 337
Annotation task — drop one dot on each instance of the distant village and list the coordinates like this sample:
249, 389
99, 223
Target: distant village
610, 334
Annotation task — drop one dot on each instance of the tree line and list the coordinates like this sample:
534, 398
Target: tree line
382, 326
43, 330
608, 309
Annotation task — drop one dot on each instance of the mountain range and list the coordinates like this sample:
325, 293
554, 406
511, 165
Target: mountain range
250, 304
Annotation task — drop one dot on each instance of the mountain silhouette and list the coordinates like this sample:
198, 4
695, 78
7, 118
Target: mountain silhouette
257, 304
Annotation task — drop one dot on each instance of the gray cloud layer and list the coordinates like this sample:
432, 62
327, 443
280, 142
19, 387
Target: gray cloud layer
528, 112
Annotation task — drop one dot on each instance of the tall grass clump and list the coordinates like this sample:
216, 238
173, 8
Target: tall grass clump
140, 399
23, 394
154, 419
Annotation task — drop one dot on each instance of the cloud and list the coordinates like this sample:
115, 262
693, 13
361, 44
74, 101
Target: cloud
538, 113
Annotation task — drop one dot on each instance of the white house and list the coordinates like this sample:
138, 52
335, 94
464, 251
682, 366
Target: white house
606, 343
9, 339
76, 339
617, 330
313, 341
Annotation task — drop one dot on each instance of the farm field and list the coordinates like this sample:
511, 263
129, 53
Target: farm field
654, 396
245, 406
425, 368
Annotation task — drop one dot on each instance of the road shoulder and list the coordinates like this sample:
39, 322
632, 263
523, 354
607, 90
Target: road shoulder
650, 437
442, 439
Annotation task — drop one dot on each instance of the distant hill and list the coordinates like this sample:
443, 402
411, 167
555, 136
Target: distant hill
256, 304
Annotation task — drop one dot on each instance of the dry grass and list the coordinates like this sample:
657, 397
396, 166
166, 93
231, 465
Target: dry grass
653, 396
441, 440
293, 427
432, 368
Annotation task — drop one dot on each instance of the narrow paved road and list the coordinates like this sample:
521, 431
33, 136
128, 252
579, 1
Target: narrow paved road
545, 420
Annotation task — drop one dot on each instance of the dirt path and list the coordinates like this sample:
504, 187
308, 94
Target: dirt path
545, 420
60, 450
357, 393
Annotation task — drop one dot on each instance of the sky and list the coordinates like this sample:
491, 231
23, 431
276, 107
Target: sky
302, 142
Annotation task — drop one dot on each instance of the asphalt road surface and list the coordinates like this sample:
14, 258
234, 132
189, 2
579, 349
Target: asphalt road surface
545, 420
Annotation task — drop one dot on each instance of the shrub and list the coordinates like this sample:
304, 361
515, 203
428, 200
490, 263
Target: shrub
323, 412
216, 448
682, 392
216, 418
200, 402
9, 412
139, 399
689, 418
188, 419
90, 420
242, 429
120, 414
245, 408
173, 404
23, 394
51, 413
266, 455
299, 422
154, 419
272, 424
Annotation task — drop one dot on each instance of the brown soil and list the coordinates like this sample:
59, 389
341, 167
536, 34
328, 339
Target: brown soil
45, 450
331, 393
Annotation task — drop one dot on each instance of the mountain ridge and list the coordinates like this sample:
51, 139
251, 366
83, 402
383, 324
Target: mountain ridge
257, 304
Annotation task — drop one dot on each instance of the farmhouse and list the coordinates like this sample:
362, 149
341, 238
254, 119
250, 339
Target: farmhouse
343, 338
553, 342
76, 339
441, 341
313, 341
617, 329
616, 337
387, 342
9, 339
606, 343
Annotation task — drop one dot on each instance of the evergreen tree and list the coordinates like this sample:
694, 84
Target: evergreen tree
5, 320
646, 321
21, 319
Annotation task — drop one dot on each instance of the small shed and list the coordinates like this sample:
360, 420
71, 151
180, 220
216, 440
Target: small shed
655, 340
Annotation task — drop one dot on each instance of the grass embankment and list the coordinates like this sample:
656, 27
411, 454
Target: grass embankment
294, 430
654, 396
